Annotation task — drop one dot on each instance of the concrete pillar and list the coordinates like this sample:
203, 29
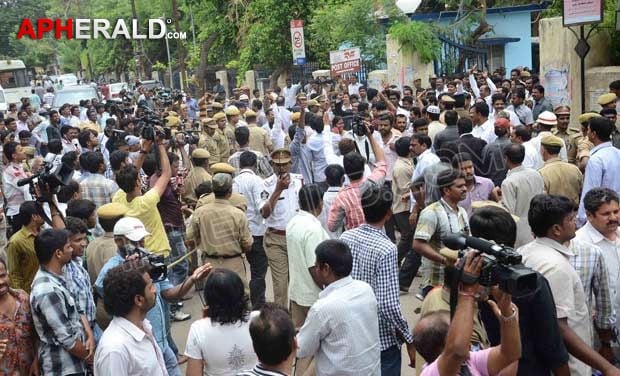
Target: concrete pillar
560, 67
376, 77
597, 84
223, 76
404, 67
250, 80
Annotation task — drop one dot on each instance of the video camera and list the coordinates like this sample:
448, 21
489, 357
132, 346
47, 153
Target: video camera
358, 127
47, 182
501, 265
158, 271
148, 122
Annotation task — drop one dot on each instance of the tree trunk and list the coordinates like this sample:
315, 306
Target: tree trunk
273, 79
202, 68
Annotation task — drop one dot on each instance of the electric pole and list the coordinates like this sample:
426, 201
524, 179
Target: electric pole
175, 14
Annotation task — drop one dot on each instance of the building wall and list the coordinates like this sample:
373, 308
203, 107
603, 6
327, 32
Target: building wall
513, 25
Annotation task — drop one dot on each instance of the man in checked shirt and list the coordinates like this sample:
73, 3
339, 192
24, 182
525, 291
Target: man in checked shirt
375, 262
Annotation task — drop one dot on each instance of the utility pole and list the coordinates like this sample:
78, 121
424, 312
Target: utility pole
169, 62
137, 52
175, 14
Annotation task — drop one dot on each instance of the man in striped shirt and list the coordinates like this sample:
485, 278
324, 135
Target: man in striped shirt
346, 208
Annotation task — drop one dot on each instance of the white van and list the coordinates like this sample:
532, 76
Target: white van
4, 105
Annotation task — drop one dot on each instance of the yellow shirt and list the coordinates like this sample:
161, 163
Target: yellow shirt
22, 260
145, 209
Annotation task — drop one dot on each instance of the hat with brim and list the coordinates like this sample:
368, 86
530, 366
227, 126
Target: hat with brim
131, 228
584, 118
606, 99
548, 118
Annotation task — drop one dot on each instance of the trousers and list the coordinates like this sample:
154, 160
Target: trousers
275, 248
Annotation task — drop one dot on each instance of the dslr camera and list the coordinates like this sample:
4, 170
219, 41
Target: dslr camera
49, 180
358, 127
501, 265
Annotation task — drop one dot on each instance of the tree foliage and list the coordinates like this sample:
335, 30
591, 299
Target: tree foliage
417, 37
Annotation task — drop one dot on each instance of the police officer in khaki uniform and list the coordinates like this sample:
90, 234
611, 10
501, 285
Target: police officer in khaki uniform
561, 178
561, 130
223, 146
101, 249
260, 140
233, 115
579, 145
237, 200
222, 230
207, 140
197, 175
280, 202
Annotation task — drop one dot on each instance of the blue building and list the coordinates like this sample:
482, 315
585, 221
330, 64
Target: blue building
510, 44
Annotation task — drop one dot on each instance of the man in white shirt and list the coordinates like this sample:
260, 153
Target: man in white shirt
483, 127
499, 104
250, 186
304, 233
603, 212
434, 126
290, 93
354, 86
546, 121
127, 346
552, 219
346, 312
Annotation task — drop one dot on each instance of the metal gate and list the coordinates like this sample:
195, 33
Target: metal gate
456, 57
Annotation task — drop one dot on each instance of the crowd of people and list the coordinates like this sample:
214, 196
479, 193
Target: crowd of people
115, 212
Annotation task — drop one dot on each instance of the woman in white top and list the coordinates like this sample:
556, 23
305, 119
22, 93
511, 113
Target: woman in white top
220, 343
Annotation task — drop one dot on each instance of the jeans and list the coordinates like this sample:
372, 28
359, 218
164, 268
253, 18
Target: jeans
177, 244
258, 270
390, 361
172, 365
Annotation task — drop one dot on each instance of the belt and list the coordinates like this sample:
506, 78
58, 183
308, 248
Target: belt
276, 231
174, 228
222, 257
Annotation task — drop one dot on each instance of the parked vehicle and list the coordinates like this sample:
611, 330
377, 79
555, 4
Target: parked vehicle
74, 94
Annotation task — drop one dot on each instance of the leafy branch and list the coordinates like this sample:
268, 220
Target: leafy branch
417, 37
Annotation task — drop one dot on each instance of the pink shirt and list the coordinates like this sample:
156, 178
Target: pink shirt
477, 364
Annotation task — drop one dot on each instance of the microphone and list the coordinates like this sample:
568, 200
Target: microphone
458, 241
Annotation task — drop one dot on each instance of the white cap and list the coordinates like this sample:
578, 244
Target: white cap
244, 97
433, 110
131, 228
547, 117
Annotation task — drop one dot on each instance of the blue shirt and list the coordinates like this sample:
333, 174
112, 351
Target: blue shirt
156, 314
602, 170
192, 107
301, 156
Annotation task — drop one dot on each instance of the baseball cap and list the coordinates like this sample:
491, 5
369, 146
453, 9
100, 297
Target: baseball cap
131, 228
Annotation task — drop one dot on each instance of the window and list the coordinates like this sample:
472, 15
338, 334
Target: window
496, 57
11, 79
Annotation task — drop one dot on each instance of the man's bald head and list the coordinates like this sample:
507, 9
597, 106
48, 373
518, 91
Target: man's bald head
430, 334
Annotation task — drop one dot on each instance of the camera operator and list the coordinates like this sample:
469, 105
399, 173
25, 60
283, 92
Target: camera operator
552, 219
14, 195
452, 355
144, 207
129, 234
543, 350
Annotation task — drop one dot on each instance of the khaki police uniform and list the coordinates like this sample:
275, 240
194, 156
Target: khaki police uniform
223, 235
274, 241
561, 178
221, 139
197, 175
235, 198
260, 140
99, 251
208, 142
